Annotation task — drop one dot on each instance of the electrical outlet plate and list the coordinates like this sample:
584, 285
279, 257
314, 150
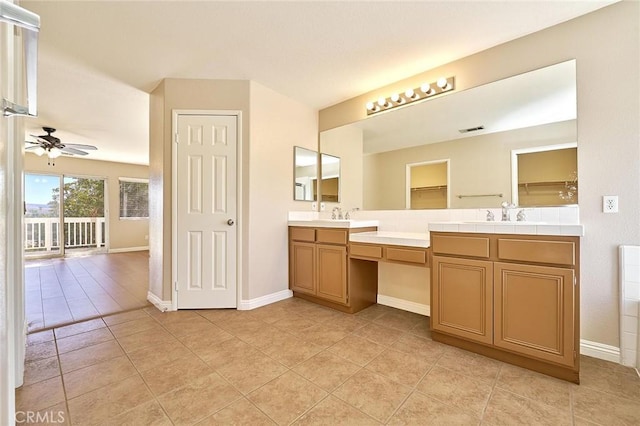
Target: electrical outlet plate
610, 204
314, 206
321, 207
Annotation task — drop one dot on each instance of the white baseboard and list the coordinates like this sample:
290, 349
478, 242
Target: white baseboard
128, 249
247, 305
163, 305
405, 305
600, 351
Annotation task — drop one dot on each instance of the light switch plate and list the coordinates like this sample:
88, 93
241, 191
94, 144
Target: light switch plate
610, 204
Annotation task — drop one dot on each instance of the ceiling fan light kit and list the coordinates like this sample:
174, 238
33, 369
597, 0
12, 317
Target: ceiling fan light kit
54, 148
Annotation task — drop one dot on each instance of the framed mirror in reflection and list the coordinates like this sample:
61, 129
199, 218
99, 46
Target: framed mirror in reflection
305, 174
474, 131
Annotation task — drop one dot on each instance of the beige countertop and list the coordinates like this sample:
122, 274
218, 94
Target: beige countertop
333, 223
409, 239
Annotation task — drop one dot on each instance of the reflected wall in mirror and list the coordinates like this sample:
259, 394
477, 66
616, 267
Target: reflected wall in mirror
427, 185
545, 176
534, 109
345, 143
305, 174
330, 185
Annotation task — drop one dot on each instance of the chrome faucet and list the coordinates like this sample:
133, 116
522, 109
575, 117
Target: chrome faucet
490, 217
347, 215
521, 217
335, 216
506, 206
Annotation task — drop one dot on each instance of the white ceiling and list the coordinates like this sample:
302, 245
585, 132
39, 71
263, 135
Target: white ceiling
98, 60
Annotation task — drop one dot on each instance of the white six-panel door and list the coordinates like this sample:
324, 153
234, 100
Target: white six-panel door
206, 211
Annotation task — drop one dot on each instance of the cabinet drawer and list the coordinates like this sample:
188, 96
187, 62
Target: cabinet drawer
331, 236
366, 251
406, 255
460, 245
303, 234
541, 251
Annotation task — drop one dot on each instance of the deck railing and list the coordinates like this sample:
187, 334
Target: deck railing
42, 234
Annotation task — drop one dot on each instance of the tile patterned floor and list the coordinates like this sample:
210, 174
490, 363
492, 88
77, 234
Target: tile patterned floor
294, 362
67, 290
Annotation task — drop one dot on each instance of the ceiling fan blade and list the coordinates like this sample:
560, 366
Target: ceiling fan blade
72, 151
80, 146
29, 148
33, 142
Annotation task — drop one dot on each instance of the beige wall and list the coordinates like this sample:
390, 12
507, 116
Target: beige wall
277, 124
415, 282
547, 166
231, 95
123, 233
605, 45
433, 174
479, 165
428, 183
271, 125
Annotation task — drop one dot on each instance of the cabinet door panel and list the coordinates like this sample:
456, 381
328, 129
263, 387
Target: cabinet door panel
332, 273
462, 301
302, 271
534, 311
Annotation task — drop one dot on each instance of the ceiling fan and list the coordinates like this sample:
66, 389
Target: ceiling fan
53, 147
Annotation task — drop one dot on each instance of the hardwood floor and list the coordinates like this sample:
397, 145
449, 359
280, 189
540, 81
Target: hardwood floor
63, 291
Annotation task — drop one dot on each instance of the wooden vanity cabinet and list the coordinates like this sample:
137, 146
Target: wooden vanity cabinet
462, 298
534, 310
320, 270
332, 273
511, 297
302, 267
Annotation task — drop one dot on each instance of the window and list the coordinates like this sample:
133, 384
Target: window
134, 198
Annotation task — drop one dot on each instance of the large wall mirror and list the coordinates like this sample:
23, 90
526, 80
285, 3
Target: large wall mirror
528, 111
305, 174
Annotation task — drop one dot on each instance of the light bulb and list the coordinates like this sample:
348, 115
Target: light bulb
426, 88
410, 94
442, 83
395, 98
54, 152
370, 106
382, 102
38, 151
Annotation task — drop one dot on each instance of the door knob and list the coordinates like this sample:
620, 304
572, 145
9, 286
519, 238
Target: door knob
230, 222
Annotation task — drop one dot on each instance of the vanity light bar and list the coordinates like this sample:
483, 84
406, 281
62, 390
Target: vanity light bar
411, 95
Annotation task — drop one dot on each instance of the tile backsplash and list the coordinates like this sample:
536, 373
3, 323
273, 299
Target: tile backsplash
418, 220
629, 305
